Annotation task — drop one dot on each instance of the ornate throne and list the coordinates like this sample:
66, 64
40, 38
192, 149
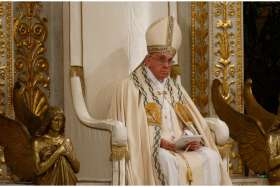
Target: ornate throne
110, 143
112, 157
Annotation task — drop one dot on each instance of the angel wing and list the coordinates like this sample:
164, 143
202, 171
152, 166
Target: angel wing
253, 108
246, 130
30, 110
17, 148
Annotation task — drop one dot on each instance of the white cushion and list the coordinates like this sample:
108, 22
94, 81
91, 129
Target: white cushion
119, 134
220, 129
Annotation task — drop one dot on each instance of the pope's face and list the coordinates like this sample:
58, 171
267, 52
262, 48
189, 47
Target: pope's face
57, 123
160, 65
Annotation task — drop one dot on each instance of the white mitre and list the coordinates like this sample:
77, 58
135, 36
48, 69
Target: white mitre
164, 35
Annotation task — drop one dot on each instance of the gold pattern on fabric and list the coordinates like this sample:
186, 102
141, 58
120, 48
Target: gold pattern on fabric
161, 49
153, 112
182, 113
170, 31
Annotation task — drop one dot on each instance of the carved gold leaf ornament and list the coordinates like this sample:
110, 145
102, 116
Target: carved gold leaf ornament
2, 86
183, 113
6, 64
6, 71
37, 101
2, 34
3, 72
31, 65
2, 53
225, 37
200, 56
225, 69
239, 58
10, 62
228, 61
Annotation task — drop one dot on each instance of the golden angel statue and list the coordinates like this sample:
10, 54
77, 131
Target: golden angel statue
34, 144
257, 132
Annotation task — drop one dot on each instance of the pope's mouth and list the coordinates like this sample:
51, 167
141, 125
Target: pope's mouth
165, 72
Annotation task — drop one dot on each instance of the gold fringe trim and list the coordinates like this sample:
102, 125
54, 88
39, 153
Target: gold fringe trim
189, 175
119, 152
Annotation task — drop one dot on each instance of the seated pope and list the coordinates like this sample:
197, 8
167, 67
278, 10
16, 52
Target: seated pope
157, 112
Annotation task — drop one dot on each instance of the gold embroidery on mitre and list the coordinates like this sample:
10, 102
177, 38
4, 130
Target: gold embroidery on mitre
153, 114
170, 26
161, 49
182, 113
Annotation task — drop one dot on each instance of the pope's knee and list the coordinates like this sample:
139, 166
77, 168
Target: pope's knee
212, 155
166, 158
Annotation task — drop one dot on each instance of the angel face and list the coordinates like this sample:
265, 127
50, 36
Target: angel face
57, 123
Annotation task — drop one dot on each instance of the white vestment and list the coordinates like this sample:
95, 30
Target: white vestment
128, 107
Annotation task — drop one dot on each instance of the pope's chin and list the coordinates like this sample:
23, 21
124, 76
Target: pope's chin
163, 75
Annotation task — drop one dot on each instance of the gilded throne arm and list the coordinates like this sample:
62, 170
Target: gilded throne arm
117, 132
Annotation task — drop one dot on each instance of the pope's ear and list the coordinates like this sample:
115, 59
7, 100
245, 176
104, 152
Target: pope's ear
147, 61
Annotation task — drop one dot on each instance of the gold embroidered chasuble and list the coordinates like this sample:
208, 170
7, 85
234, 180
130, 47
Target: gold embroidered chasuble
139, 107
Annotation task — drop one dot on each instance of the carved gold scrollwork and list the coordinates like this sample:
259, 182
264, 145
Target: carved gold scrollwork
2, 88
229, 63
200, 56
9, 64
31, 64
6, 65
2, 56
6, 73
239, 58
224, 42
2, 33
